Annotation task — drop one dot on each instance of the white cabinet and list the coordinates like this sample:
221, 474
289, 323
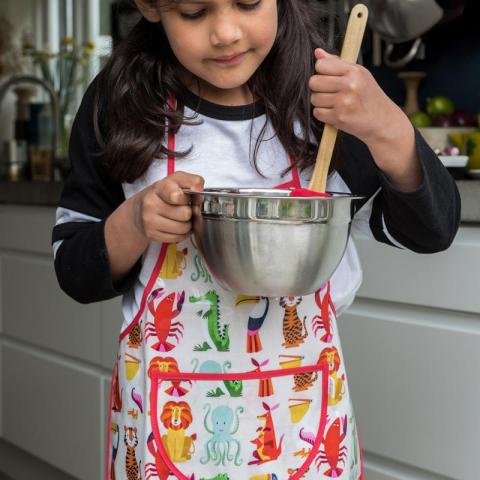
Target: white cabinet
412, 348
55, 354
37, 312
53, 410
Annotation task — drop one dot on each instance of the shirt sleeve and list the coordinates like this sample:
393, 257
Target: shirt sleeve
424, 221
89, 196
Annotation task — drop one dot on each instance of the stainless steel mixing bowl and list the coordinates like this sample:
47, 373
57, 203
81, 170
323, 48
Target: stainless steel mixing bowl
267, 243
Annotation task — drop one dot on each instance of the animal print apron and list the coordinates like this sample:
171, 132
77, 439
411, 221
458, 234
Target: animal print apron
210, 384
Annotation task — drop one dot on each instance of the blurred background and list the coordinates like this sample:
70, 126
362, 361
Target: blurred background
415, 392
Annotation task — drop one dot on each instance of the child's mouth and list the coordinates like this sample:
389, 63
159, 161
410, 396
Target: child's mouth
231, 59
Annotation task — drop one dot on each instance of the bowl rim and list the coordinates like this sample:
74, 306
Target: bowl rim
283, 194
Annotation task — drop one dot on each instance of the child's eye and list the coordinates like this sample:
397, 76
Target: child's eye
249, 6
192, 15
199, 13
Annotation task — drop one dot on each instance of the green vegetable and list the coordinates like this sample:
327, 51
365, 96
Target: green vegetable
440, 106
420, 119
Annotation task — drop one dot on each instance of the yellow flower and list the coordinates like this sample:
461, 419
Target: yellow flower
45, 54
68, 41
89, 47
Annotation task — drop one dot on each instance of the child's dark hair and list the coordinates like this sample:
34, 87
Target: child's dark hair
140, 76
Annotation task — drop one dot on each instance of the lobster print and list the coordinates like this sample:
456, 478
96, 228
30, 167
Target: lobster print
159, 468
162, 326
332, 452
323, 321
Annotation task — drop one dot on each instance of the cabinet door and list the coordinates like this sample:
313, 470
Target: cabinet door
446, 280
55, 410
35, 310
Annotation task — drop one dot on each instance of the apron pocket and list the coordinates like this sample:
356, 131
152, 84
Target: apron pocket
260, 425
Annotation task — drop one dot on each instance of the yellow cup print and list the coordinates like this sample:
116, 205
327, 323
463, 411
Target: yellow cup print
264, 476
174, 262
292, 361
298, 410
132, 364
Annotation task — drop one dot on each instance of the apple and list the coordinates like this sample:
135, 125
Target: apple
440, 105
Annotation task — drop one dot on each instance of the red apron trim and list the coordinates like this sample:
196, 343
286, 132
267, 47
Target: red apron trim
323, 366
362, 473
252, 375
109, 431
146, 292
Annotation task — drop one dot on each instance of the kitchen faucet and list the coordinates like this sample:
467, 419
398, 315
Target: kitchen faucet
53, 103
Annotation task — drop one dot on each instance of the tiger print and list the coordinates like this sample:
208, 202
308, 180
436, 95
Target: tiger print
135, 337
304, 381
294, 332
116, 431
132, 468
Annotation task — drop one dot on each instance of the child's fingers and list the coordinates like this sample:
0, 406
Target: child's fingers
325, 83
170, 192
327, 64
325, 115
321, 53
323, 100
170, 188
188, 180
165, 225
177, 213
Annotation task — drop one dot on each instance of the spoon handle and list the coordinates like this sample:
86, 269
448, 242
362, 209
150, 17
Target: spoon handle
352, 42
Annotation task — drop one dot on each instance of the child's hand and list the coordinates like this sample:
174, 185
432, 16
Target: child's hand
346, 96
162, 212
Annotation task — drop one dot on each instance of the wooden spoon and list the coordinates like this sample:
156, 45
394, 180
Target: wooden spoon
352, 42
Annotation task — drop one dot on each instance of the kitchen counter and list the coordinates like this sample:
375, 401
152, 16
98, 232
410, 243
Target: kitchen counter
48, 194
30, 193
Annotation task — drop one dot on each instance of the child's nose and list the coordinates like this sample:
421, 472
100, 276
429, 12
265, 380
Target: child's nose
225, 31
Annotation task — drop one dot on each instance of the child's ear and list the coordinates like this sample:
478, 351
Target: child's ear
149, 10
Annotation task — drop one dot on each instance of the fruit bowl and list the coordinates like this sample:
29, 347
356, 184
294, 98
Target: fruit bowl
438, 138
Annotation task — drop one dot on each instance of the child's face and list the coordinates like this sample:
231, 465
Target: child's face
221, 42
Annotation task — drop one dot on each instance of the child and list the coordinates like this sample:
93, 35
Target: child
210, 383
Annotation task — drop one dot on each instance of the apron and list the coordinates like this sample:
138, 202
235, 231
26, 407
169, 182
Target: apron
213, 385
